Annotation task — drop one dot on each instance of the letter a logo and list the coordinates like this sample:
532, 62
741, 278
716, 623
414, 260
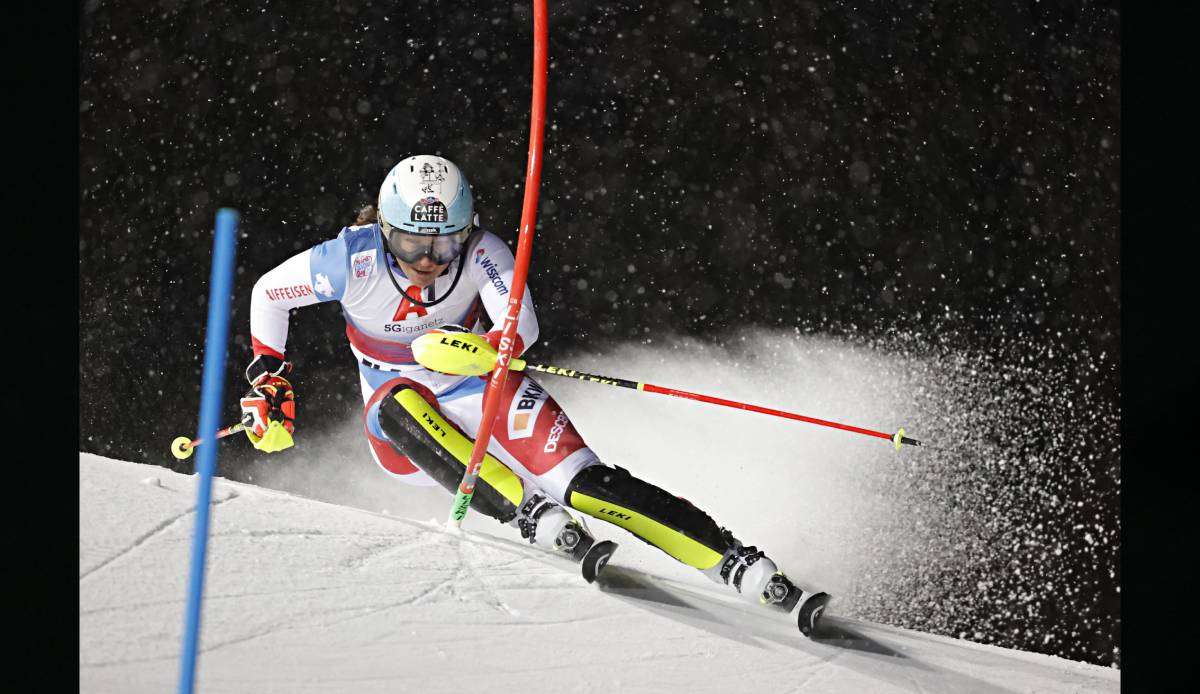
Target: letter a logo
407, 307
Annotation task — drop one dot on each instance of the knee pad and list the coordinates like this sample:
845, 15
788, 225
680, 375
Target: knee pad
655, 516
414, 423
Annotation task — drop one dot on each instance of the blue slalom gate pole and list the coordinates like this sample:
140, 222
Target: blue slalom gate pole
220, 290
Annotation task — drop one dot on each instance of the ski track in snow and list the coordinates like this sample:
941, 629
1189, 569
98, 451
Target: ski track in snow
153, 532
305, 595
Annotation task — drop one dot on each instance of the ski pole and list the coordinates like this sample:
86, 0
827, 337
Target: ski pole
183, 447
468, 354
897, 439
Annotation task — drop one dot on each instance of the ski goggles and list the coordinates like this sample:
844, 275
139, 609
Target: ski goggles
409, 247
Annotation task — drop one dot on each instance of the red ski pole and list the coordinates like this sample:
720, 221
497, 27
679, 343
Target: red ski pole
468, 354
897, 438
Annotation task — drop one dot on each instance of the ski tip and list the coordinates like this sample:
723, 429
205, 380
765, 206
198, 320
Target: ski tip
596, 559
811, 611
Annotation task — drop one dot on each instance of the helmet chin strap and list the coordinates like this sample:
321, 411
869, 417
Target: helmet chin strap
457, 275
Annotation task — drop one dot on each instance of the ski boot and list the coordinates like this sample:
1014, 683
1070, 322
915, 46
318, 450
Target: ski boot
547, 524
781, 594
754, 576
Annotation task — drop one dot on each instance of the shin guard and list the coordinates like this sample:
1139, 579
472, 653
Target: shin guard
417, 427
655, 516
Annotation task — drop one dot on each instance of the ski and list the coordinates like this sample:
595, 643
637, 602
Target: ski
808, 617
596, 558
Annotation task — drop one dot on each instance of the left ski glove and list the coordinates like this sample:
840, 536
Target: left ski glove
269, 407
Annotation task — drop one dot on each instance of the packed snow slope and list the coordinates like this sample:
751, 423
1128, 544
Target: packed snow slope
304, 595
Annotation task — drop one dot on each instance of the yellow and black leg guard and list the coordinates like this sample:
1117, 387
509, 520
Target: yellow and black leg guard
655, 516
418, 429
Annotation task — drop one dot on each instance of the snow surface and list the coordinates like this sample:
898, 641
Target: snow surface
305, 595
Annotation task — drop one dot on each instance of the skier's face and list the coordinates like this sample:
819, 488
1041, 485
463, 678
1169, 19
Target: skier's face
423, 272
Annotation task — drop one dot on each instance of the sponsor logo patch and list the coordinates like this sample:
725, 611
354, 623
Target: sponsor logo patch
406, 307
363, 263
524, 410
428, 210
489, 269
459, 344
418, 328
293, 292
556, 432
432, 425
618, 514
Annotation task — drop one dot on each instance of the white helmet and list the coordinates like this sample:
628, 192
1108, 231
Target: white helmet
422, 198
426, 194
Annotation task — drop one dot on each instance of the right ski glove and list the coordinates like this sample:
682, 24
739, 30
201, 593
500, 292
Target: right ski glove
269, 407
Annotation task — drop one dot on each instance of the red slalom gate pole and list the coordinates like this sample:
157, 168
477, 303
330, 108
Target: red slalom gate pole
533, 176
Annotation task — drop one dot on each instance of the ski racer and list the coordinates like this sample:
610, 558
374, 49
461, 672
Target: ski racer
427, 265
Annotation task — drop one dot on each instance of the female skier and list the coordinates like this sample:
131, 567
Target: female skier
427, 265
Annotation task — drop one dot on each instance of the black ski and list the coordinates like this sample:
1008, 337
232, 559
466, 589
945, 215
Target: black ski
596, 558
808, 618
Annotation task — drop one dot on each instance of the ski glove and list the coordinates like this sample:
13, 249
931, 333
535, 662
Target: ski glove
269, 407
265, 365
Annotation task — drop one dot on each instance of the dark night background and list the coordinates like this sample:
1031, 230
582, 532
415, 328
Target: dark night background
933, 176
